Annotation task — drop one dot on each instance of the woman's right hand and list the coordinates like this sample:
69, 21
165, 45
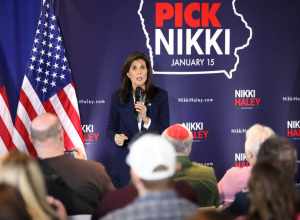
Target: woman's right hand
120, 139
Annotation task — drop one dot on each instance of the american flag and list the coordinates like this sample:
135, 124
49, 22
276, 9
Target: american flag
47, 85
6, 125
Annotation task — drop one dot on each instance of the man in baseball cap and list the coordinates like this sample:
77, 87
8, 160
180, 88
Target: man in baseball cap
201, 178
152, 160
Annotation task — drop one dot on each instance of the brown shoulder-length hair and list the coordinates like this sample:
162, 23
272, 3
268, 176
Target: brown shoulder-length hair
126, 87
272, 193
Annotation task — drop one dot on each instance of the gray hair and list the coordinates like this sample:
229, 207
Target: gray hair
255, 136
182, 147
42, 135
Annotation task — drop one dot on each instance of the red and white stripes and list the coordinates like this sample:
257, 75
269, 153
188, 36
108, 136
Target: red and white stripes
6, 125
63, 104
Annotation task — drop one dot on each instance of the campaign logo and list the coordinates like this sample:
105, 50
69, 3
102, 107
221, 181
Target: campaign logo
240, 160
246, 98
89, 134
293, 129
197, 128
194, 37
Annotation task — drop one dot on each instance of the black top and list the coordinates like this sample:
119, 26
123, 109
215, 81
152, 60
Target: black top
123, 119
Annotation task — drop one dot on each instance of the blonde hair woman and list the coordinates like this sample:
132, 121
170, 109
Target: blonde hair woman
22, 172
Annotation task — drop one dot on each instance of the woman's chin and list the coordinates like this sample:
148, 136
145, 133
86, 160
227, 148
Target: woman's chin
140, 84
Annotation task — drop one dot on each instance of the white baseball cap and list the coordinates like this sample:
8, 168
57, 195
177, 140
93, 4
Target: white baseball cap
149, 153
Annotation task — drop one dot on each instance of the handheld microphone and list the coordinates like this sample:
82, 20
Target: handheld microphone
139, 94
139, 97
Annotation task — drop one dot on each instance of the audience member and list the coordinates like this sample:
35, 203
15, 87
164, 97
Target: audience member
12, 205
18, 170
123, 196
236, 178
79, 184
278, 152
152, 160
272, 195
201, 178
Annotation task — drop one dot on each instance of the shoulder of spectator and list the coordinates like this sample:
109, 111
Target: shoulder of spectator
205, 168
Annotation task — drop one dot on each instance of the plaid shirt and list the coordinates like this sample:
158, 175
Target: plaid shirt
155, 205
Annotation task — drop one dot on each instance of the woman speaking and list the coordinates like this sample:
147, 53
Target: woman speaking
138, 106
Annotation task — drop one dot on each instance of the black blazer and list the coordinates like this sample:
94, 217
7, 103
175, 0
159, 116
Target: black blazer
123, 119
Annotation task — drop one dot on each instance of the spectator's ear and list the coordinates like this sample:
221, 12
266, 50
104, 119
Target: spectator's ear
136, 180
178, 167
250, 157
61, 135
79, 154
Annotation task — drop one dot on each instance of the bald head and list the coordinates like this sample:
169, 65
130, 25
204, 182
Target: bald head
181, 138
45, 126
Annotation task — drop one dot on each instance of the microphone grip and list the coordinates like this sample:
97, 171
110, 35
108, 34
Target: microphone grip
138, 96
